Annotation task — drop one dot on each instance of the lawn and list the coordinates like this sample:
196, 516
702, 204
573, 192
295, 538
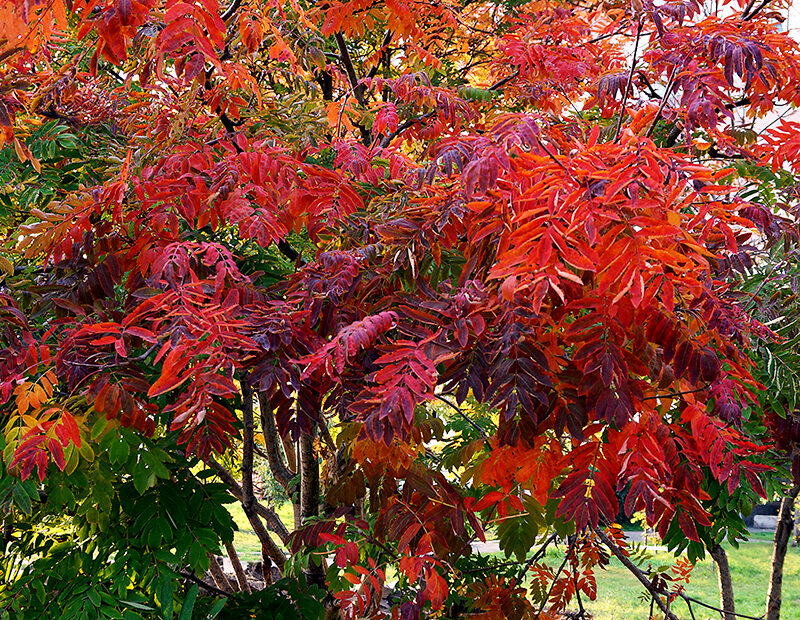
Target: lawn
619, 593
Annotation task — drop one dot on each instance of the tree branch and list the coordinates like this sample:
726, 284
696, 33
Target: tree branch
203, 584
358, 89
555, 579
499, 84
387, 38
237, 567
636, 572
271, 438
630, 80
344, 55
219, 577
463, 415
269, 550
270, 516
748, 15
402, 127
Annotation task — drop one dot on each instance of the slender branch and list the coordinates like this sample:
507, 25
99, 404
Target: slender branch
637, 572
402, 127
463, 415
237, 567
667, 92
688, 598
358, 88
271, 437
270, 516
387, 38
344, 55
499, 84
642, 577
203, 584
220, 578
525, 565
630, 79
555, 579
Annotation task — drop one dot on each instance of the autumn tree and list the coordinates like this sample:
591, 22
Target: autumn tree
444, 266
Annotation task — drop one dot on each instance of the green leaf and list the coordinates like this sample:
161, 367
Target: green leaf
166, 596
136, 605
188, 603
119, 451
21, 499
216, 608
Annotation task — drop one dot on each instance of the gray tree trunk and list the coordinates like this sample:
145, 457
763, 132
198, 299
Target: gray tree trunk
725, 583
782, 534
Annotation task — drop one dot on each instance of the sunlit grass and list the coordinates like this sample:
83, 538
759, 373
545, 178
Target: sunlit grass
619, 592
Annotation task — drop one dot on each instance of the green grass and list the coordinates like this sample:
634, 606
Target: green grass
619, 592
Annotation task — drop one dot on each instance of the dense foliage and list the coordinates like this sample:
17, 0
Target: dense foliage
446, 267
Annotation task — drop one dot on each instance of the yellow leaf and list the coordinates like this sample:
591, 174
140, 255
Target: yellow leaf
19, 150
6, 265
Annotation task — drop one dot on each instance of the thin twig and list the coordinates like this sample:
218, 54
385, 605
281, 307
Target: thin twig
402, 127
555, 579
688, 598
662, 104
504, 81
630, 79
637, 572
463, 415
203, 584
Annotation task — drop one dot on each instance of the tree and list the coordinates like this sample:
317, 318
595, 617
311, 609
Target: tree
339, 235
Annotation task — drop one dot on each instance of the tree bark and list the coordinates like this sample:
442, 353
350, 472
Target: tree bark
269, 550
309, 485
271, 518
218, 575
237, 567
782, 534
309, 500
725, 583
272, 441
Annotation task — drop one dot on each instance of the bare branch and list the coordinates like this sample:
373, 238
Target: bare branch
203, 584
271, 438
499, 84
630, 79
270, 516
463, 415
237, 567
219, 577
637, 572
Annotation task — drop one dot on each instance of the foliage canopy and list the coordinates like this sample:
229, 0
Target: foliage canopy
446, 266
